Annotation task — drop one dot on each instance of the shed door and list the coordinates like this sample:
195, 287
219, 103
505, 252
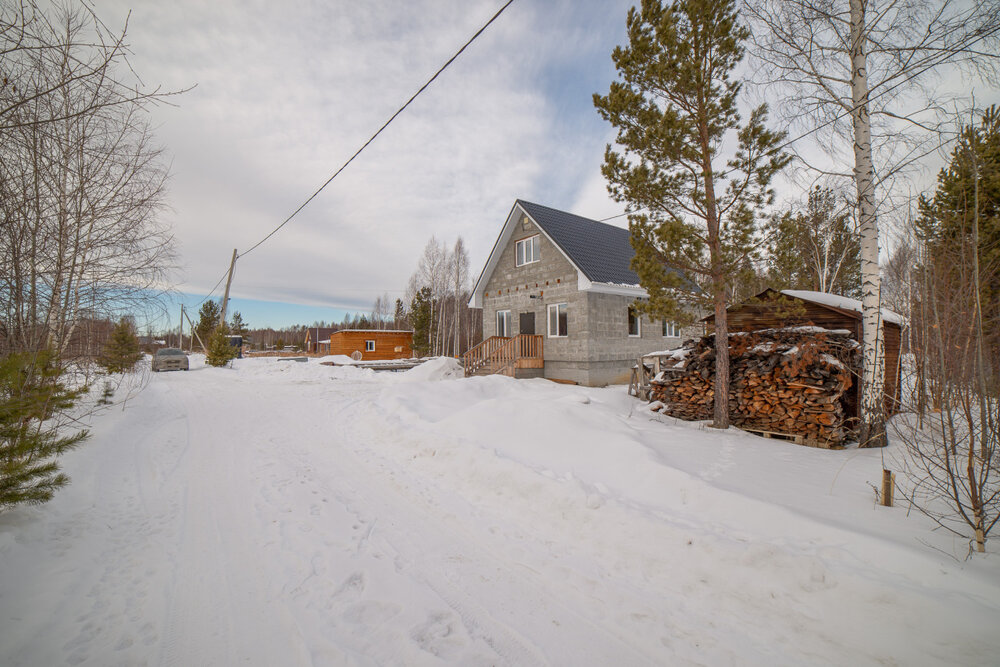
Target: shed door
527, 324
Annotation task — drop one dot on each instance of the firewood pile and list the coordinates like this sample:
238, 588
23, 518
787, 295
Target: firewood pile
786, 381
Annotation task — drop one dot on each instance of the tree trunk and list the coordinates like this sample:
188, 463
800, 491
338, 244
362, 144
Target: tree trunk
873, 366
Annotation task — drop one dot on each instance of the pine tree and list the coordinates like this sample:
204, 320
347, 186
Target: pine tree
693, 200
399, 318
420, 320
237, 325
208, 320
220, 352
30, 439
968, 194
121, 353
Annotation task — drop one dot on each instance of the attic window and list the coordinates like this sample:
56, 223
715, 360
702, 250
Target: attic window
528, 250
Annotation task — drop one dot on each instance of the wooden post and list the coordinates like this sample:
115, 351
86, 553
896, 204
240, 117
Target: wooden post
888, 483
181, 341
194, 333
229, 281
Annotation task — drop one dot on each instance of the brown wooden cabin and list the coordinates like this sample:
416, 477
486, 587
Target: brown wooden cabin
772, 310
318, 338
372, 344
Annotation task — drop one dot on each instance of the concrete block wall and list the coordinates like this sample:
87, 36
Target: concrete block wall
612, 351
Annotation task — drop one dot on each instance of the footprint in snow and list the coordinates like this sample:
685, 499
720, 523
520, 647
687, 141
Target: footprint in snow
441, 635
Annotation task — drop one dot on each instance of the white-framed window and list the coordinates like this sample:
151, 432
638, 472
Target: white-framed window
369, 346
503, 323
671, 330
634, 324
558, 321
528, 250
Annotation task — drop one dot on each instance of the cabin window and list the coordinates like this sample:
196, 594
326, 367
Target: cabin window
503, 323
634, 327
671, 330
558, 322
369, 346
528, 250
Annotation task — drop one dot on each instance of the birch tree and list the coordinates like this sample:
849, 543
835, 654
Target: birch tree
81, 181
851, 68
459, 289
815, 248
690, 171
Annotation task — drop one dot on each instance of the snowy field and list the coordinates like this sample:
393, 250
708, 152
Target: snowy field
284, 513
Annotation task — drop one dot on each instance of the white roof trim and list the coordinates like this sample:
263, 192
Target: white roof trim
611, 288
476, 300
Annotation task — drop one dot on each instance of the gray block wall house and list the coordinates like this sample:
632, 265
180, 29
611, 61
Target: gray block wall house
568, 279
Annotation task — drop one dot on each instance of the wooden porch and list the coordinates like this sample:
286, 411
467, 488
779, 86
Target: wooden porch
504, 355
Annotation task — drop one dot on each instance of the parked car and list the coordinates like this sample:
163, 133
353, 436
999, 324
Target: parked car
170, 359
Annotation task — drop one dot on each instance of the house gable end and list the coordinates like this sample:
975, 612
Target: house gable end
519, 225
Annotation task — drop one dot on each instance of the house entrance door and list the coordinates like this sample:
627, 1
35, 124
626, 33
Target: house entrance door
527, 324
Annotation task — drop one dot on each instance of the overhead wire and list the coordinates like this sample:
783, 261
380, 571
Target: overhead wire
379, 131
212, 291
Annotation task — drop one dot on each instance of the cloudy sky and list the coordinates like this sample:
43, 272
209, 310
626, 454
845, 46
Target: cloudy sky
285, 92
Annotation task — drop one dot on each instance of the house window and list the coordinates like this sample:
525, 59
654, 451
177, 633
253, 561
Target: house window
369, 346
558, 324
503, 323
671, 330
528, 250
634, 327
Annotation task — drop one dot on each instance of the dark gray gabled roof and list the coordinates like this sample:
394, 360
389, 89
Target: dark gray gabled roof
602, 252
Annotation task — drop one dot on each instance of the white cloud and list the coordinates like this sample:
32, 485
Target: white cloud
287, 92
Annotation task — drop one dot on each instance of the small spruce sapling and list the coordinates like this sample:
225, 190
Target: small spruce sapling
122, 352
31, 396
220, 352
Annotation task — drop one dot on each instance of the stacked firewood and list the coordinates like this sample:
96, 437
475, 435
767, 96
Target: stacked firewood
790, 381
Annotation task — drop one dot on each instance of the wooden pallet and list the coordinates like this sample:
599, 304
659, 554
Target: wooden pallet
798, 439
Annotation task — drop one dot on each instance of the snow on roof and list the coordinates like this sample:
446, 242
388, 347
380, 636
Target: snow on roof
676, 353
842, 302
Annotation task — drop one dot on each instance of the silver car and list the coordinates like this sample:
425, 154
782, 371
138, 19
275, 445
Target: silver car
170, 359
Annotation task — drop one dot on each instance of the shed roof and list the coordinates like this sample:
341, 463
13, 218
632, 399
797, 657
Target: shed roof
842, 304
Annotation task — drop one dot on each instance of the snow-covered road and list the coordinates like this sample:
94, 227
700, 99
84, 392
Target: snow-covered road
294, 514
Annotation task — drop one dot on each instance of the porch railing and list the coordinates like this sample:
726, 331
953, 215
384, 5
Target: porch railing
499, 354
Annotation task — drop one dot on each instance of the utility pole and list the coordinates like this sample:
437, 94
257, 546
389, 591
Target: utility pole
194, 334
181, 346
229, 281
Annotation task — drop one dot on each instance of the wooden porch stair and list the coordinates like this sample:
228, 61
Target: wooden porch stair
504, 355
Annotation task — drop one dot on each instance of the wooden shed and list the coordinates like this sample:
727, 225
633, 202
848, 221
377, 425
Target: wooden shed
318, 338
372, 344
772, 309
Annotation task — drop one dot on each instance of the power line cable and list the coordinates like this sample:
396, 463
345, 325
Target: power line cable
384, 125
212, 291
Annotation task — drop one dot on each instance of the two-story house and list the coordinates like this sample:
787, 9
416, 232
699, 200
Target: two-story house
559, 287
